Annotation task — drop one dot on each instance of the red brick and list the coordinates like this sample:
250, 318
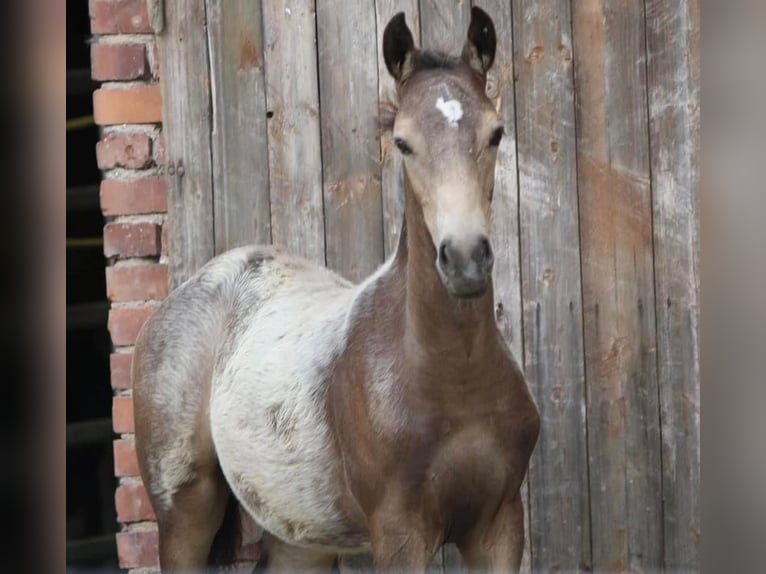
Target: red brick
119, 366
137, 548
137, 282
131, 239
125, 324
135, 196
118, 62
119, 17
165, 238
133, 504
122, 415
133, 105
125, 459
133, 151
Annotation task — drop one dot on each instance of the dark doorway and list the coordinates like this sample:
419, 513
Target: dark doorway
91, 521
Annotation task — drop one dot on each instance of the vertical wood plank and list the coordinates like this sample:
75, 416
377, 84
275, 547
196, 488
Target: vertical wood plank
452, 560
505, 205
444, 24
348, 87
292, 104
187, 126
391, 176
505, 201
437, 565
551, 290
618, 290
240, 143
673, 72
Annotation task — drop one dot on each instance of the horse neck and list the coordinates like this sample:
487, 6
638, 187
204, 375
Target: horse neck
436, 321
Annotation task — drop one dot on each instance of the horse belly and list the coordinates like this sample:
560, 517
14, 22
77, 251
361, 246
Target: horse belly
270, 431
284, 478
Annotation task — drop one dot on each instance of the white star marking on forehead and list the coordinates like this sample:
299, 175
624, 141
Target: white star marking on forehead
452, 110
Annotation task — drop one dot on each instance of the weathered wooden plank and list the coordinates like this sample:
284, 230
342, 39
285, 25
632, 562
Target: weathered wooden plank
348, 86
452, 561
550, 272
239, 139
505, 201
444, 24
673, 75
187, 126
505, 204
292, 104
391, 175
618, 291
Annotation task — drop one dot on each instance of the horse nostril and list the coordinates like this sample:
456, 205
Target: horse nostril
483, 253
443, 257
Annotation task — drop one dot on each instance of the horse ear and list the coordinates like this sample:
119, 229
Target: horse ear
480, 45
398, 48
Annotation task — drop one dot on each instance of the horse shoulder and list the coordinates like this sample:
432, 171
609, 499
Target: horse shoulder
521, 416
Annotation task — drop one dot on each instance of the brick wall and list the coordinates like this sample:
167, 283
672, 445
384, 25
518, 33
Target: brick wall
128, 106
133, 192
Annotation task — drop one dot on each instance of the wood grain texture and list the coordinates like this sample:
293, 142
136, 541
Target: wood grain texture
604, 284
391, 174
505, 204
551, 293
618, 290
240, 139
505, 200
348, 86
444, 24
452, 562
673, 73
292, 102
187, 126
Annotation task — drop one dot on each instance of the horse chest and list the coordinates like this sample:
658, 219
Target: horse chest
470, 460
457, 457
462, 473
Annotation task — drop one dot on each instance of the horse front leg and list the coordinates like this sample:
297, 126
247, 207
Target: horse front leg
402, 542
497, 544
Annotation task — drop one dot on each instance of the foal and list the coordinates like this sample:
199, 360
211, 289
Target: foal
388, 416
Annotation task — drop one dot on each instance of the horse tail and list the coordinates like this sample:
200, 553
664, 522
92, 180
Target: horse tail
228, 539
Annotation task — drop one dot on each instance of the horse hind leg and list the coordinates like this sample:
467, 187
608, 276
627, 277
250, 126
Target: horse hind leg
188, 527
284, 558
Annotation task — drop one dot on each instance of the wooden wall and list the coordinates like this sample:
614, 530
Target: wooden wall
270, 120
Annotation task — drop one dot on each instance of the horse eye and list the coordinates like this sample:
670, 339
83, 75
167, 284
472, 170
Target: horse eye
403, 146
497, 135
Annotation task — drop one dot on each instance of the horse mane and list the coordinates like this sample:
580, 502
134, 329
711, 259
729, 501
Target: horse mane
435, 60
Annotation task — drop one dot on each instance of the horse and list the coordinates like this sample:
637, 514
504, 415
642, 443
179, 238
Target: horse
387, 416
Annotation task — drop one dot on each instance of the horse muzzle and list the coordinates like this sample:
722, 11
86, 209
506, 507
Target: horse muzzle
465, 267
